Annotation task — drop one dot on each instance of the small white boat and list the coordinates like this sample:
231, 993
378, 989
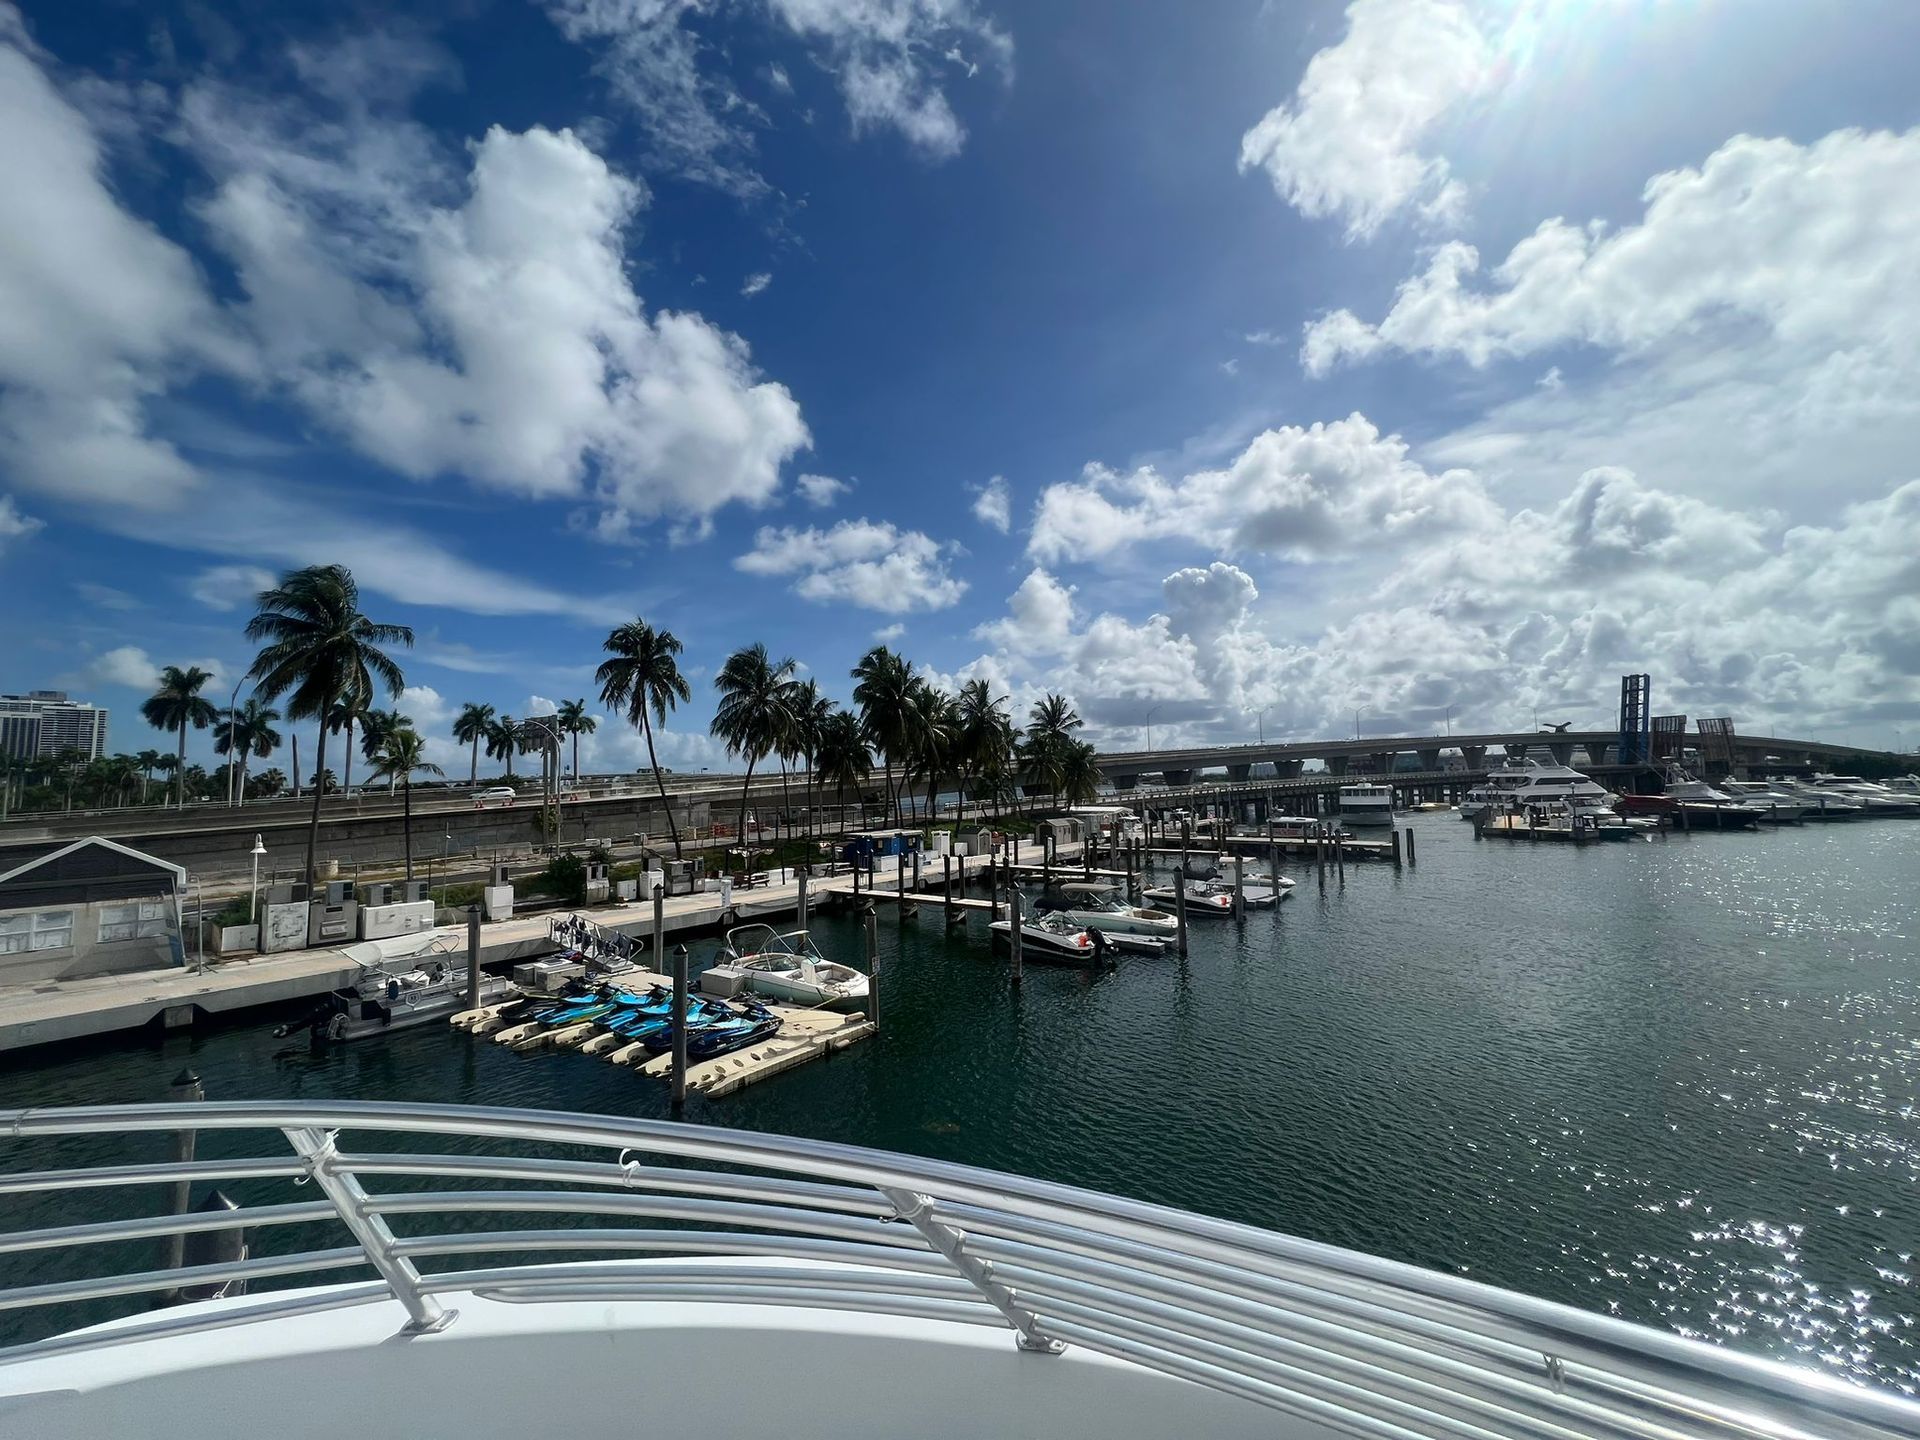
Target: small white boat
1050, 939
1366, 804
1098, 904
1872, 798
789, 967
1202, 898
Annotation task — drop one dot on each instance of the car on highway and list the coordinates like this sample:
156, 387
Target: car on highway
496, 795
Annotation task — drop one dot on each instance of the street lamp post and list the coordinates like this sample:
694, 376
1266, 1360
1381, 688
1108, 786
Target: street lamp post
1147, 724
1260, 720
253, 904
1449, 722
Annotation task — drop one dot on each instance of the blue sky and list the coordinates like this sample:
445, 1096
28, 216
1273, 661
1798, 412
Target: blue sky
1231, 368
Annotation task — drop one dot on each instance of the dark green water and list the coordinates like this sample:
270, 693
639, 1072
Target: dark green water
1676, 1081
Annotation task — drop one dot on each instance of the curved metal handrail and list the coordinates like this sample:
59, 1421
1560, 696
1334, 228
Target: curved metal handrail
1368, 1346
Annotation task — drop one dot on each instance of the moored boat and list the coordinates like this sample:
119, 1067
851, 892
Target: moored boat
790, 967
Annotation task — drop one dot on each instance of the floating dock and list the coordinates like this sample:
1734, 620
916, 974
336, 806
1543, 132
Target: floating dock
805, 1034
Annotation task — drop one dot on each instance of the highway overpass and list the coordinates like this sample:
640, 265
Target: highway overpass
1378, 755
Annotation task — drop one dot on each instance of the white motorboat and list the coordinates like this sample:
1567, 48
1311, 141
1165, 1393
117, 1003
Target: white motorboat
1366, 804
404, 981
1872, 797
1097, 904
963, 1301
1201, 897
1779, 805
1904, 785
1520, 783
790, 967
1050, 939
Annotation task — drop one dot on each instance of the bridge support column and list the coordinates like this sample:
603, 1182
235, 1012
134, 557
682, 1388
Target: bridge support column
1381, 762
1177, 777
1475, 756
1336, 764
1286, 769
1126, 782
1516, 752
1562, 753
1430, 760
1600, 754
1240, 774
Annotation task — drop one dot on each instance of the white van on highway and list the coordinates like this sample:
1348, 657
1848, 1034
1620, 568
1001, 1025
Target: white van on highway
496, 795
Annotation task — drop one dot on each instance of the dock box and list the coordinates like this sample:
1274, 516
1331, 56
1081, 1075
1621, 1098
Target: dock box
723, 982
547, 977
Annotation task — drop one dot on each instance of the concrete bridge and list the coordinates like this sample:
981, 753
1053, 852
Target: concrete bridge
1378, 755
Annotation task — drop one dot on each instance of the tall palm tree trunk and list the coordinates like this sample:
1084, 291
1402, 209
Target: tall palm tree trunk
346, 773
406, 824
660, 783
786, 803
576, 757
179, 770
745, 786
473, 766
319, 789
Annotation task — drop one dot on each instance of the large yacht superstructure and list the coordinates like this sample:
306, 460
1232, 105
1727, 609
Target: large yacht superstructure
1528, 782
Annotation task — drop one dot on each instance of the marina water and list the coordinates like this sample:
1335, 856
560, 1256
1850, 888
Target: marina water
1676, 1080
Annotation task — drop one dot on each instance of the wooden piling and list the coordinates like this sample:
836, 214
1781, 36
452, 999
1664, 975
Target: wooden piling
800, 885
1340, 855
1239, 888
1396, 848
659, 927
1410, 859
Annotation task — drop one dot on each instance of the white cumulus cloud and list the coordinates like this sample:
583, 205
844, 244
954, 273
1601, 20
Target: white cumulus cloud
1349, 144
993, 504
861, 562
820, 491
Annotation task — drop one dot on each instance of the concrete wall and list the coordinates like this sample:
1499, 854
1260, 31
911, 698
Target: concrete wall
88, 954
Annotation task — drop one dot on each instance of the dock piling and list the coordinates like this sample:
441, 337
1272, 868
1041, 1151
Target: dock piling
186, 1087
1340, 855
1396, 848
1239, 888
679, 1025
473, 957
871, 939
800, 883
659, 924
1013, 929
1410, 858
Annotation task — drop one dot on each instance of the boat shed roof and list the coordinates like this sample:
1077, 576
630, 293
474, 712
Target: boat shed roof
89, 870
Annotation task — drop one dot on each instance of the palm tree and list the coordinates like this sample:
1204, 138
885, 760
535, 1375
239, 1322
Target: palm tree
842, 755
811, 710
1044, 754
245, 732
934, 722
322, 650
270, 782
643, 680
148, 761
375, 725
503, 741
1079, 773
471, 728
402, 755
177, 704
983, 733
754, 713
575, 721
884, 693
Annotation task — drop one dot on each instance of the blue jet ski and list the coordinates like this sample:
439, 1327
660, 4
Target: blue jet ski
734, 1030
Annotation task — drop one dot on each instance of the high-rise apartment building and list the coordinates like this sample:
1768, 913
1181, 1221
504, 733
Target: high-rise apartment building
45, 722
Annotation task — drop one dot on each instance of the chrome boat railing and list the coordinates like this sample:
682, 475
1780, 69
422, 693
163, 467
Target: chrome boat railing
1364, 1346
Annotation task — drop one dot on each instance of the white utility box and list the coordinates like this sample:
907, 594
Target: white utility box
378, 922
497, 902
547, 977
723, 982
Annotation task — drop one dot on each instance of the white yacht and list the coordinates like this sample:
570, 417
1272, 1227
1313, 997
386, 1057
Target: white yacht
790, 967
1520, 783
1366, 804
1822, 804
1049, 939
1873, 798
732, 1283
1779, 804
